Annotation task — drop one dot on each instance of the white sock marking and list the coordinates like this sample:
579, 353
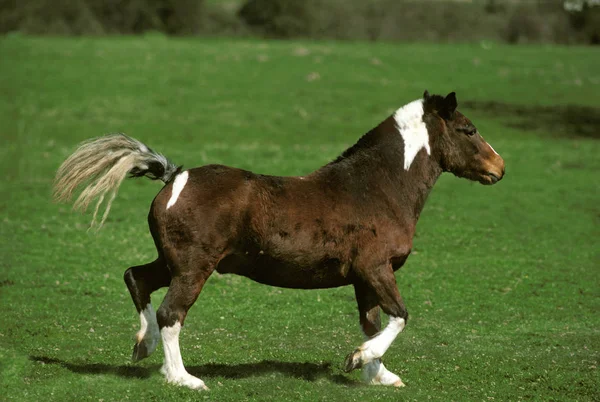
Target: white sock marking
148, 328
178, 186
376, 373
375, 347
173, 368
412, 128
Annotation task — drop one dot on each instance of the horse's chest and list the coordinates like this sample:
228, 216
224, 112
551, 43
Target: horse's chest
398, 261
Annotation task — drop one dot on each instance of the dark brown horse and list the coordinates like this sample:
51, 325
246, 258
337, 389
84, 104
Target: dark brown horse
351, 222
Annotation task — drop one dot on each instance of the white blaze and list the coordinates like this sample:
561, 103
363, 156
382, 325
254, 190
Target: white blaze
178, 186
410, 124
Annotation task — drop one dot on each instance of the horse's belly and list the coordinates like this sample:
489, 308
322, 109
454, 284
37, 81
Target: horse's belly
296, 273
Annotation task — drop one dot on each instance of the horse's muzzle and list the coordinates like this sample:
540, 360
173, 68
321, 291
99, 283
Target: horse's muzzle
494, 171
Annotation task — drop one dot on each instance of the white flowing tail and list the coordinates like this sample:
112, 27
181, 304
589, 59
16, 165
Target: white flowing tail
102, 164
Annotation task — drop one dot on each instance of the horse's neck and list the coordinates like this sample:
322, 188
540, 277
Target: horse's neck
418, 180
381, 160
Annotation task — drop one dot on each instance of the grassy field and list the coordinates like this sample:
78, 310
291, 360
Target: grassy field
503, 286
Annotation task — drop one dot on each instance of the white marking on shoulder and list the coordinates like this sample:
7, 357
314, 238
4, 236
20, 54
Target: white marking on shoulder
178, 186
412, 128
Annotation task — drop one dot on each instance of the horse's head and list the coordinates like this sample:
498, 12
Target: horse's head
457, 144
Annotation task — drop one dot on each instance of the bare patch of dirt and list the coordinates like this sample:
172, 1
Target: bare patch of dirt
565, 121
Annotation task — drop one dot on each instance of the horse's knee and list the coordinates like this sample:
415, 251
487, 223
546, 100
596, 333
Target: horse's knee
396, 310
169, 315
165, 317
370, 328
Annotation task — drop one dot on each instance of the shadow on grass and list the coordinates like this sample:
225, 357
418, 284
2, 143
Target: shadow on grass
305, 371
99, 368
569, 121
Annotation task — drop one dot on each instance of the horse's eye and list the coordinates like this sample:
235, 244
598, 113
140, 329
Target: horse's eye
469, 130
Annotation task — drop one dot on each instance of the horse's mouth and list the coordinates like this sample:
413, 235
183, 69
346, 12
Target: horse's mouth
490, 178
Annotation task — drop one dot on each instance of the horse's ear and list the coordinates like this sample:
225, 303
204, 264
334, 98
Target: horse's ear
450, 103
426, 95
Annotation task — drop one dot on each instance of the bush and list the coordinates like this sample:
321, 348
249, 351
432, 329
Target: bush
389, 20
586, 24
522, 26
89, 17
281, 18
221, 21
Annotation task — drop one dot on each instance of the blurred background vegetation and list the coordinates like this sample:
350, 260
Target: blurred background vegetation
512, 21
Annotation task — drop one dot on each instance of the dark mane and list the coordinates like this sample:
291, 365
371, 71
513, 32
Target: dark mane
375, 136
433, 103
443, 106
363, 142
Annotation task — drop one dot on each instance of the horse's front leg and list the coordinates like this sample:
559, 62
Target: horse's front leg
377, 290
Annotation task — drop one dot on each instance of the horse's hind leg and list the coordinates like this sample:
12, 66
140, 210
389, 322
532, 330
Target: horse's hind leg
189, 275
141, 281
373, 372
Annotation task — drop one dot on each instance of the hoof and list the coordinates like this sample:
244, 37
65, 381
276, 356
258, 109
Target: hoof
353, 361
140, 351
188, 381
375, 373
191, 384
144, 347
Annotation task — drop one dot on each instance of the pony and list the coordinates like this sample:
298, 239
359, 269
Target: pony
350, 222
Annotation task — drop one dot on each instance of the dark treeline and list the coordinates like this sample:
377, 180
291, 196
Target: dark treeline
402, 20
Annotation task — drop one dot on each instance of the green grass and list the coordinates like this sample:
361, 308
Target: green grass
503, 285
